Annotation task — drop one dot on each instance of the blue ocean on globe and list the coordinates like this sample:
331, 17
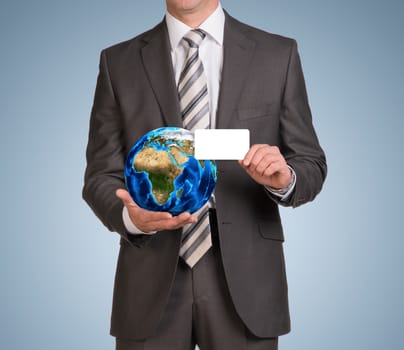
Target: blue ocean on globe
162, 174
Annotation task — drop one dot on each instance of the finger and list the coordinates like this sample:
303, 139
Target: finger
259, 156
266, 160
164, 219
125, 197
179, 219
273, 168
175, 222
270, 152
147, 216
250, 154
183, 217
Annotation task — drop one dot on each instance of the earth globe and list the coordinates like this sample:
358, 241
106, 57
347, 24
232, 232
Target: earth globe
162, 174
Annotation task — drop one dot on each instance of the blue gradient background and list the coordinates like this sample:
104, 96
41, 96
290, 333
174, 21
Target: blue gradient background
344, 251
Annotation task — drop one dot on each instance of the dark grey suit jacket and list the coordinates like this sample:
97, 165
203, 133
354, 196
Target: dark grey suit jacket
263, 90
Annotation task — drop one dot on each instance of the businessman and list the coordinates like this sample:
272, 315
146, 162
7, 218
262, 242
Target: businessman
215, 278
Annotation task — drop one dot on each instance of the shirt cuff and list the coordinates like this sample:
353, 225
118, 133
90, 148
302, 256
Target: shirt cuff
284, 193
130, 226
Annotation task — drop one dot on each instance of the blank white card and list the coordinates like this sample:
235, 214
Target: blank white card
221, 144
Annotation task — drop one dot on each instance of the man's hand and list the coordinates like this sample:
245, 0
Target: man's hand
266, 165
149, 221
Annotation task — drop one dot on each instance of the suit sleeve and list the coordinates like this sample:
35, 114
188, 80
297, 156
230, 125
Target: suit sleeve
105, 157
299, 143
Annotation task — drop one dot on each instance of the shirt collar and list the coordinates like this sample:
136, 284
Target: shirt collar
213, 26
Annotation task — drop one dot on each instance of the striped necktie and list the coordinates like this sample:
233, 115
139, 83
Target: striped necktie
194, 103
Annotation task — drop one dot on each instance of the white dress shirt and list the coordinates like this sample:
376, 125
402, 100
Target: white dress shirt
211, 55
210, 52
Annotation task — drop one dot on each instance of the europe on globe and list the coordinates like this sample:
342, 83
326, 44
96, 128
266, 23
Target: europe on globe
162, 174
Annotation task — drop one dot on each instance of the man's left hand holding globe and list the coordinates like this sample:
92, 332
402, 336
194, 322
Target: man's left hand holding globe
264, 163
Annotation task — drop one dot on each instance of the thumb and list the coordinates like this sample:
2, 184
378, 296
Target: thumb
125, 197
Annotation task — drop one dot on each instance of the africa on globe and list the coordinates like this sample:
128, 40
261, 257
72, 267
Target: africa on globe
162, 174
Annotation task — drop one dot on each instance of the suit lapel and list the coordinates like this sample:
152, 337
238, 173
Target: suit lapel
238, 52
157, 62
237, 55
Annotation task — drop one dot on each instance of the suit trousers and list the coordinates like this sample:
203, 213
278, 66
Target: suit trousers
200, 311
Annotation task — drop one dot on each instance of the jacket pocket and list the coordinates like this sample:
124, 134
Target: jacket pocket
256, 112
137, 241
271, 230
